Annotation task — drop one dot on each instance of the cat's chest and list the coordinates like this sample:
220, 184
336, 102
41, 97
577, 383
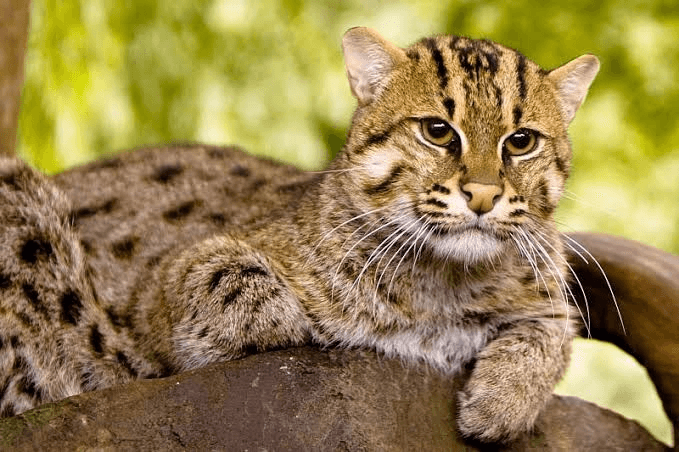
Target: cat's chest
453, 295
450, 321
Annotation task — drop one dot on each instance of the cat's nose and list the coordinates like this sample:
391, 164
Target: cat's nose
481, 197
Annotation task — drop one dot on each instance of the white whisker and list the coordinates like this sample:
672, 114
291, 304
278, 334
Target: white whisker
603, 273
577, 279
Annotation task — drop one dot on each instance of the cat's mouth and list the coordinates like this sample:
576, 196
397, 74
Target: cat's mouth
446, 229
468, 243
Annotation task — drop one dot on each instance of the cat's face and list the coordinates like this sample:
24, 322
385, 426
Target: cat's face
462, 144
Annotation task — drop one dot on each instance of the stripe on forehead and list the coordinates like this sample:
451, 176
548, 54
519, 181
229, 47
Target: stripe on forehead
521, 75
475, 57
441, 69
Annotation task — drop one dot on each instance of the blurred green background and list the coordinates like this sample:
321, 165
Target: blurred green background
104, 75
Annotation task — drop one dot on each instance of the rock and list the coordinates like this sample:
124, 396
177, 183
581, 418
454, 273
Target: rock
298, 399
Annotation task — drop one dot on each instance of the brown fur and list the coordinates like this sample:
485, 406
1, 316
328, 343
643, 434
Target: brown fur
163, 260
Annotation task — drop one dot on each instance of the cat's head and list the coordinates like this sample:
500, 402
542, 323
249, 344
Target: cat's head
462, 142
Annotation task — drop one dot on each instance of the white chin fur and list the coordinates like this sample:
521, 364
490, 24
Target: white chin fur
471, 246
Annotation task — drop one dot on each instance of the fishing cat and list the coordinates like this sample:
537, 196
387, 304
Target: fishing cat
430, 238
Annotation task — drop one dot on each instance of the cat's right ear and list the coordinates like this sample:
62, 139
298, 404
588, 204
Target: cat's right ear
369, 59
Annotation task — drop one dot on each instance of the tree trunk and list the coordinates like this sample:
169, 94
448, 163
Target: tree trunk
13, 38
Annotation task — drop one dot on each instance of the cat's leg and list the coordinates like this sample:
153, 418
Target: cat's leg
513, 378
55, 340
220, 300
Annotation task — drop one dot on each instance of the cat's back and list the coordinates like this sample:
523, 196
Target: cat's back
133, 209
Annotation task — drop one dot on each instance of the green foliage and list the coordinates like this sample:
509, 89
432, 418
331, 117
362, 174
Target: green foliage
104, 75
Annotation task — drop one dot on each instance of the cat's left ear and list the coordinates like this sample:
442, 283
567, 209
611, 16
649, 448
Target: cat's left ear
572, 81
369, 59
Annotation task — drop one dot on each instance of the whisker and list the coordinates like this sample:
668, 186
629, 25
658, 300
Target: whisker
603, 273
344, 170
379, 250
556, 276
572, 196
577, 279
369, 234
422, 228
406, 229
526, 239
525, 253
332, 231
428, 232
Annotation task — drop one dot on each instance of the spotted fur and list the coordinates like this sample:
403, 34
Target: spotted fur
432, 250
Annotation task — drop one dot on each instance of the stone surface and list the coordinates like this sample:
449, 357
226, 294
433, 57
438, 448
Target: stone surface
298, 399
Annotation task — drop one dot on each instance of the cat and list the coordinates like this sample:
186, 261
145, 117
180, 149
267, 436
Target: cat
429, 238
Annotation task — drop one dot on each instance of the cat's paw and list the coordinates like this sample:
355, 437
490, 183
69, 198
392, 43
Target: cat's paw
493, 414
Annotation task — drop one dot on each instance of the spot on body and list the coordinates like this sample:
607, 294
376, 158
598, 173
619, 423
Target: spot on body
105, 207
217, 218
96, 340
13, 179
254, 271
34, 298
5, 282
71, 305
240, 171
27, 386
35, 249
124, 361
124, 249
166, 173
181, 211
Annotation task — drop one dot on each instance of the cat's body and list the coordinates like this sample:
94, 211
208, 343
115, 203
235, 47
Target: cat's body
429, 238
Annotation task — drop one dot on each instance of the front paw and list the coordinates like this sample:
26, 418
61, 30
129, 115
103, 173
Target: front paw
491, 412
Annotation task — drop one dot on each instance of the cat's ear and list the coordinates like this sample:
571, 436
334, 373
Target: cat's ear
369, 59
572, 81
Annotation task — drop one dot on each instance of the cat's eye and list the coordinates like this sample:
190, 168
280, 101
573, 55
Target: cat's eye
521, 142
438, 132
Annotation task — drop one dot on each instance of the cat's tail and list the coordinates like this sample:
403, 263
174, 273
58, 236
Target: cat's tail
53, 333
